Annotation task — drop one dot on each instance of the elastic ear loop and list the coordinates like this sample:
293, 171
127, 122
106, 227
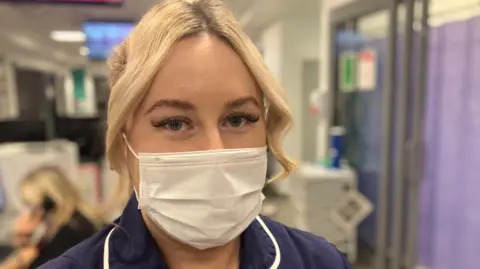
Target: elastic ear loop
128, 146
136, 156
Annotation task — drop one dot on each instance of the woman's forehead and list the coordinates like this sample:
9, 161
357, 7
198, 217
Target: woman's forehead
203, 67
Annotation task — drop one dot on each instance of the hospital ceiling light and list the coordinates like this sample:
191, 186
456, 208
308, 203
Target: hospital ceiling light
68, 36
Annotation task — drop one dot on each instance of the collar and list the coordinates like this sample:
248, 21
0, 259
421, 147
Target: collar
134, 247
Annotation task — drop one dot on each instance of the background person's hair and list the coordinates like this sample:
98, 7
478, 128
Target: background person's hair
52, 182
137, 60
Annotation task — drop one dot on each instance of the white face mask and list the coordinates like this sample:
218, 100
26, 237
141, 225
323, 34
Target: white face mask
202, 198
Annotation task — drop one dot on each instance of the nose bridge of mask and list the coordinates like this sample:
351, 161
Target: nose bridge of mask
194, 158
129, 146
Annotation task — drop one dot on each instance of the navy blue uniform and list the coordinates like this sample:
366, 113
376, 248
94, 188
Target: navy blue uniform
127, 244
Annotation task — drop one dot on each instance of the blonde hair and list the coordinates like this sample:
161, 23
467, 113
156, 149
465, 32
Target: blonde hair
50, 181
138, 59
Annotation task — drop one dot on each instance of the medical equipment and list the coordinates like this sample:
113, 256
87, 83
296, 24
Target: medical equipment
322, 197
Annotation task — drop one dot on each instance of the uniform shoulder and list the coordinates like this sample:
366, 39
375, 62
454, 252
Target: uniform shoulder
313, 252
87, 254
62, 262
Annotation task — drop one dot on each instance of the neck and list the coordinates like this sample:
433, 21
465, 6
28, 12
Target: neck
182, 256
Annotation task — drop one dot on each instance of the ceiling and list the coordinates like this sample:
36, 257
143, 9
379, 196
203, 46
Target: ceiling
25, 28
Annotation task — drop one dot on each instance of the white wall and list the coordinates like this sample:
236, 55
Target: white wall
285, 45
271, 45
445, 11
301, 43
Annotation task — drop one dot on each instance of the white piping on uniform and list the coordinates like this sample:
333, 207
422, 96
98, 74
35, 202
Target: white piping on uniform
276, 262
275, 265
106, 251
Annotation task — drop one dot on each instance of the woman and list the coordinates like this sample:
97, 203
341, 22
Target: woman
191, 111
57, 220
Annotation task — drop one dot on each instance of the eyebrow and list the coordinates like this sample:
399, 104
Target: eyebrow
185, 105
171, 103
241, 102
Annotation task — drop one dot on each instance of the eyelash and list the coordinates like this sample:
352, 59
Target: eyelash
250, 118
163, 123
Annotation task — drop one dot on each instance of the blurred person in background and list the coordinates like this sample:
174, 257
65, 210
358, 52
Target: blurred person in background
57, 219
191, 111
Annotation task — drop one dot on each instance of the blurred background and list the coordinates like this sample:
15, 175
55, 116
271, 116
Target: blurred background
383, 94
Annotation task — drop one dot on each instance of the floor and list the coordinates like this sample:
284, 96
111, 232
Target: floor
365, 257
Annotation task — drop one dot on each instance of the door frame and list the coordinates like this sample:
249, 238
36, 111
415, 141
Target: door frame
356, 9
350, 13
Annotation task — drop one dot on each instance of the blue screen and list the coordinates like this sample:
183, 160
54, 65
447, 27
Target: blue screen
102, 37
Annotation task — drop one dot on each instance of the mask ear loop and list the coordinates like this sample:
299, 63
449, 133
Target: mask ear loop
136, 156
129, 146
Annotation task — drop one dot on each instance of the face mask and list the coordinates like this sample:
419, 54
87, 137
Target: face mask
202, 198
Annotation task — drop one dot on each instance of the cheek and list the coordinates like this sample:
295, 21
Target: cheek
253, 138
260, 134
145, 138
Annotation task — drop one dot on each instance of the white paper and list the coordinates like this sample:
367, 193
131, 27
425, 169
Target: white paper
352, 209
367, 70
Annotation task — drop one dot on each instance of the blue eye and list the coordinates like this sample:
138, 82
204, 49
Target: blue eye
171, 124
236, 121
174, 125
241, 119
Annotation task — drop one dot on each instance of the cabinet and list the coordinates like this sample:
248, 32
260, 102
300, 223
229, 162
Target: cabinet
318, 192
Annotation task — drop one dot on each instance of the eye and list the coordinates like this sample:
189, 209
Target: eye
173, 124
241, 119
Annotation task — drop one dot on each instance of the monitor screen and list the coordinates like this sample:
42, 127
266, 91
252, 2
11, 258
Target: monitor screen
101, 2
103, 36
23, 131
88, 133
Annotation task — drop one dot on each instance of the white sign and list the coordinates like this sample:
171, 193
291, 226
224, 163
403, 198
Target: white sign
367, 70
351, 210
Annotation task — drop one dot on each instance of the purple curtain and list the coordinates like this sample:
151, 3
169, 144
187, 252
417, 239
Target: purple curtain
449, 231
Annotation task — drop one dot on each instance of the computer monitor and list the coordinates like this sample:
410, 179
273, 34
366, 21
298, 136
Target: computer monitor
88, 133
103, 36
22, 131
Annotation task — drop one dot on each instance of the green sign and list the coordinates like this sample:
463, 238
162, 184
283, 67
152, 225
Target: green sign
79, 91
79, 84
347, 72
